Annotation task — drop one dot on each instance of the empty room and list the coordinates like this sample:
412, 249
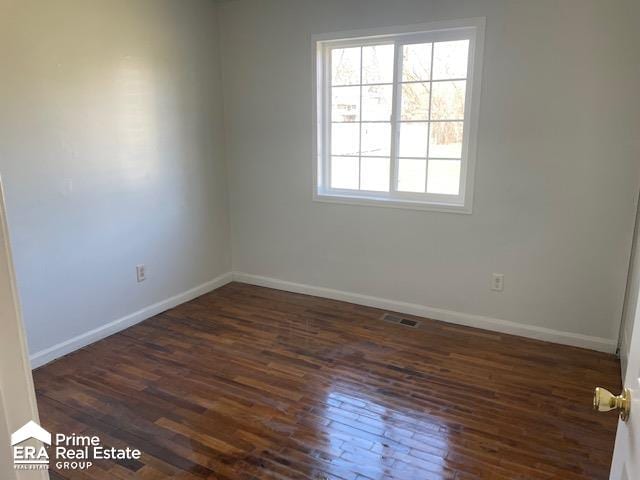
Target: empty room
319, 239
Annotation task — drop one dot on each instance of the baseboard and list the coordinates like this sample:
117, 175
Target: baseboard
45, 356
477, 321
504, 326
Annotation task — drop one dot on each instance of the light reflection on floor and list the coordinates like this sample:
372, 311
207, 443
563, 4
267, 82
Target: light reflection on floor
362, 434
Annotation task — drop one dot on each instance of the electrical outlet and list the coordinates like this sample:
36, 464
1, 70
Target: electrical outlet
141, 273
497, 282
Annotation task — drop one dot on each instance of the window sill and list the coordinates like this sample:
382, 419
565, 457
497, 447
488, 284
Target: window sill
391, 203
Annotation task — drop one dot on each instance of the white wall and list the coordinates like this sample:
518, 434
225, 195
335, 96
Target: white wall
111, 154
556, 176
111, 148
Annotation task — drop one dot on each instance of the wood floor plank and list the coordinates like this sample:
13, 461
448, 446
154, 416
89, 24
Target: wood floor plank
252, 383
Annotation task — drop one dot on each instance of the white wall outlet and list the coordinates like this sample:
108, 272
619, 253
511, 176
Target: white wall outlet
141, 273
497, 282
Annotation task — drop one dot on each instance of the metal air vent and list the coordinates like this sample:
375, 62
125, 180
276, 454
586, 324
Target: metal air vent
407, 322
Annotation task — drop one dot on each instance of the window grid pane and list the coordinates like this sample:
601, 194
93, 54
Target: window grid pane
345, 66
376, 103
416, 104
443, 177
412, 175
344, 172
443, 116
375, 125
360, 117
374, 174
415, 101
416, 62
377, 64
448, 100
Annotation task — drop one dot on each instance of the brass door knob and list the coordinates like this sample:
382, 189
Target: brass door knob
604, 400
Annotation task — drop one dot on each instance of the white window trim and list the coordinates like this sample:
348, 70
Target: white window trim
473, 29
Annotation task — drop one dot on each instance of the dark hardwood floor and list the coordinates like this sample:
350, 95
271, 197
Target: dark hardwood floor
253, 383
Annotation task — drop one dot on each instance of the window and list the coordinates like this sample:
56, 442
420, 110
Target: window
397, 116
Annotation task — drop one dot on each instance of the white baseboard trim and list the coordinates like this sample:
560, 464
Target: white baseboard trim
63, 348
487, 323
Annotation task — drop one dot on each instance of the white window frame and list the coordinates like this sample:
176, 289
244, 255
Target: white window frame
471, 29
